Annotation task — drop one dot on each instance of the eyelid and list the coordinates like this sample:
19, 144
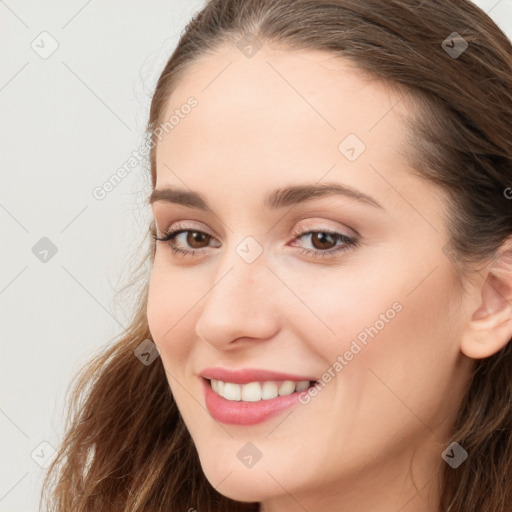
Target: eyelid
298, 229
321, 225
185, 225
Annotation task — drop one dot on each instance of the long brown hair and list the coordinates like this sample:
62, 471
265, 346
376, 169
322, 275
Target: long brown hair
126, 447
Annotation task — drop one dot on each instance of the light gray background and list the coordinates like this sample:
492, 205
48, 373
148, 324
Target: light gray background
68, 122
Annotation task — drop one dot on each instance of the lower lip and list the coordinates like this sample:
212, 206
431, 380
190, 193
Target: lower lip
245, 413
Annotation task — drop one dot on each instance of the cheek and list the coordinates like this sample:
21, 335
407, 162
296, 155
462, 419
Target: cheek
391, 320
334, 307
411, 361
170, 311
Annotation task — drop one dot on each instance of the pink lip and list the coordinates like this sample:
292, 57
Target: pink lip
246, 413
249, 375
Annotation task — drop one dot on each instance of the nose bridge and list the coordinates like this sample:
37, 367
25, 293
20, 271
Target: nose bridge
239, 300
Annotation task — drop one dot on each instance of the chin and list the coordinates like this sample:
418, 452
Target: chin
241, 488
242, 484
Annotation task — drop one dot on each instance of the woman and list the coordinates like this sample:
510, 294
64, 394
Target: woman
327, 317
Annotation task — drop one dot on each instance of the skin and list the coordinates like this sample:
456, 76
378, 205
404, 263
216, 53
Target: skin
371, 440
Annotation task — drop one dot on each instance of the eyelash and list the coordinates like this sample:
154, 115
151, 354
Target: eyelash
349, 242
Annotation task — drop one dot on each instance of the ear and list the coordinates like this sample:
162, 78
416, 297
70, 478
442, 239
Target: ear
490, 326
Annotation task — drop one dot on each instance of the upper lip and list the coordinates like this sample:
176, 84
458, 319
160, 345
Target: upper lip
246, 375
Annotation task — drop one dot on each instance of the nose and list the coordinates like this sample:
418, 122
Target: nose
241, 303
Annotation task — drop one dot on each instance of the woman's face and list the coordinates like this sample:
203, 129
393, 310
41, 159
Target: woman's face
349, 289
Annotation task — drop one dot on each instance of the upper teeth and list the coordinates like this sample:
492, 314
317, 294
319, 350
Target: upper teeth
255, 391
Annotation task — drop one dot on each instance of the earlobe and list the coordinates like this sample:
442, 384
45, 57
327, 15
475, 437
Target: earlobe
490, 327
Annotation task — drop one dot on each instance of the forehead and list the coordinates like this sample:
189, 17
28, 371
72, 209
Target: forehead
278, 113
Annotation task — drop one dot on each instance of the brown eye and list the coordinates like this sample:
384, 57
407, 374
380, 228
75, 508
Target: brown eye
322, 240
196, 238
324, 243
186, 241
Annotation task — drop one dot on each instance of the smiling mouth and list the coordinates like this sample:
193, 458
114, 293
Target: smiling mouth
258, 390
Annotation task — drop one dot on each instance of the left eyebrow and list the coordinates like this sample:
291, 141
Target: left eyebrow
276, 199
